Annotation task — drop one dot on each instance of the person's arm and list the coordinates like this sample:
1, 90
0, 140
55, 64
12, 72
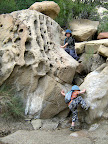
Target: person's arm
63, 93
83, 91
64, 45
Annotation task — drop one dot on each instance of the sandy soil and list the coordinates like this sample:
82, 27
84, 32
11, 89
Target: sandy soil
9, 127
97, 134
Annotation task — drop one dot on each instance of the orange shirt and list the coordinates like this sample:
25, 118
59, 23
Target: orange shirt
74, 95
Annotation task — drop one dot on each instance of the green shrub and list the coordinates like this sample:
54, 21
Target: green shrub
70, 10
7, 6
103, 26
65, 12
24, 4
11, 104
105, 5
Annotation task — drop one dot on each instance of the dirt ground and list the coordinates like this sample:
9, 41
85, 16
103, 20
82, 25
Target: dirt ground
9, 127
96, 134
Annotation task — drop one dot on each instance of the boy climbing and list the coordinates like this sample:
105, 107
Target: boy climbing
75, 100
69, 44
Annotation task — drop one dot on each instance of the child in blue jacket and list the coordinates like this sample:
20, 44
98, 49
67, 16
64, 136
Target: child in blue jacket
69, 44
74, 102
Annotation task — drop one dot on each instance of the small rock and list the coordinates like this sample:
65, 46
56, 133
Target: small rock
103, 35
49, 125
94, 127
74, 134
103, 51
79, 47
4, 133
105, 115
65, 124
37, 124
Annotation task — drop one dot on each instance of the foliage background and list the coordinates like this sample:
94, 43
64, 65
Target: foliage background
68, 9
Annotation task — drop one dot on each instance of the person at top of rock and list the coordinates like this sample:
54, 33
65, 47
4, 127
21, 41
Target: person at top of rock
74, 102
69, 44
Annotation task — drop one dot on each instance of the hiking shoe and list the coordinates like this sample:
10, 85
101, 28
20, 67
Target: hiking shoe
87, 107
80, 61
72, 128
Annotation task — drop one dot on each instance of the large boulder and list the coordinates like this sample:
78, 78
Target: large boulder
96, 85
31, 59
49, 8
83, 29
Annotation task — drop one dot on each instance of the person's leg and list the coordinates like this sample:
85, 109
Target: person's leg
74, 119
74, 116
73, 54
67, 50
82, 102
73, 108
73, 124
